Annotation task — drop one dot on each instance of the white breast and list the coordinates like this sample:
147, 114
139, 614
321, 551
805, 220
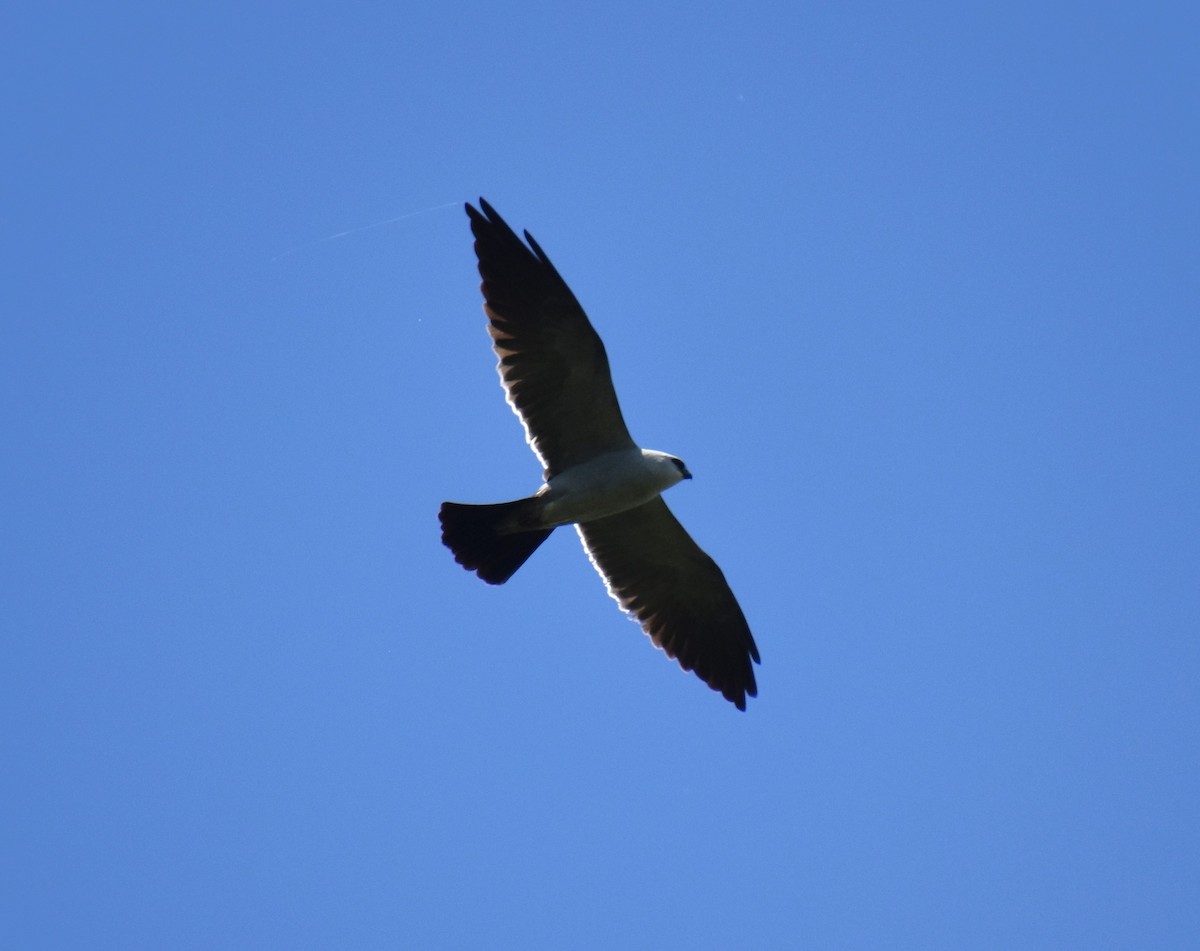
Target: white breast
614, 482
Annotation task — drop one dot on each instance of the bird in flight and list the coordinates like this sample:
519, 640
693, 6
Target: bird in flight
555, 374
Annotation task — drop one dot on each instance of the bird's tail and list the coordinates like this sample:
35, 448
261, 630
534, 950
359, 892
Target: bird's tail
490, 540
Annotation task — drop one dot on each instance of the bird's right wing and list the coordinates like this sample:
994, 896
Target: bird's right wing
552, 362
655, 571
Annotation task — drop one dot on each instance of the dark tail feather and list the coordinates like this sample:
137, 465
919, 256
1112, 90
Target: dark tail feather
474, 533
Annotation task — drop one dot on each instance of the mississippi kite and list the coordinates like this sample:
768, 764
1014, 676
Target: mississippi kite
556, 378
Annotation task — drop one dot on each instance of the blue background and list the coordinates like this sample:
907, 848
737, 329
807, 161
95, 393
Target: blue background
913, 289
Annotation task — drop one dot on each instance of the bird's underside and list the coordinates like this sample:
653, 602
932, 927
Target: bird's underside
555, 374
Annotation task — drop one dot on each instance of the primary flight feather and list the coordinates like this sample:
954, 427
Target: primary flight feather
556, 378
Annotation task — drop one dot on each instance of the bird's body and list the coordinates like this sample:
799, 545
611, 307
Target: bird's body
611, 483
555, 374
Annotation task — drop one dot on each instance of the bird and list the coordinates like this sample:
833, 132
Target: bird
555, 373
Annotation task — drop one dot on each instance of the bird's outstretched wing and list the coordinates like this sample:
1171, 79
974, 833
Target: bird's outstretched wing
552, 362
659, 575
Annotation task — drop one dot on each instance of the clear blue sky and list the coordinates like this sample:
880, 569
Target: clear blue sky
914, 290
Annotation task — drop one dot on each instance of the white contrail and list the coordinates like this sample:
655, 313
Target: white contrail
374, 224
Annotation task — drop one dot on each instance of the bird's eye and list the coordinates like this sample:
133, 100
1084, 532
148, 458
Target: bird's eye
679, 464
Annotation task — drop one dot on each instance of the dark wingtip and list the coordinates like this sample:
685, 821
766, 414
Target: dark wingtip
488, 219
742, 686
738, 695
537, 249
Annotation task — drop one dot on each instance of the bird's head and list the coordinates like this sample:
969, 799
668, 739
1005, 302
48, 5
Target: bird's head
669, 468
683, 470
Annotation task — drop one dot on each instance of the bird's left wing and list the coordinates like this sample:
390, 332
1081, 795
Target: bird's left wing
552, 362
655, 571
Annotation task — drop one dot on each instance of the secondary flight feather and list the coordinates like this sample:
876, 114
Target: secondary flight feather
555, 374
